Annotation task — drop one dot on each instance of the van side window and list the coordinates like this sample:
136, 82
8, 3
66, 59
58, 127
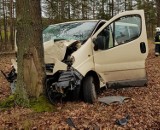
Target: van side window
126, 29
121, 31
134, 32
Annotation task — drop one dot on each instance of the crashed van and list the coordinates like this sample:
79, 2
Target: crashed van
83, 56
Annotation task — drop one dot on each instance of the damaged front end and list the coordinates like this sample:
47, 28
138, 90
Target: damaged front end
63, 84
62, 79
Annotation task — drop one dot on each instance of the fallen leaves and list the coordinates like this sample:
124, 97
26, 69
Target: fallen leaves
143, 109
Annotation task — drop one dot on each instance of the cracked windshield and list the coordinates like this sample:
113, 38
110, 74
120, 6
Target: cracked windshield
69, 31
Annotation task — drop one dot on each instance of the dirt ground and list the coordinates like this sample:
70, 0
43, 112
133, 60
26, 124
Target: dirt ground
143, 108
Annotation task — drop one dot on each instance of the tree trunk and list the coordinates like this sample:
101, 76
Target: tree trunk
5, 25
112, 8
93, 10
62, 10
83, 9
31, 71
69, 10
129, 4
1, 40
125, 5
11, 25
102, 2
158, 12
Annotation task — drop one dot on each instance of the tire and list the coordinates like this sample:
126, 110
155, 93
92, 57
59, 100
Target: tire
89, 90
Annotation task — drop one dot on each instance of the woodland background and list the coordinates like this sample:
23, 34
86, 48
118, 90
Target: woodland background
54, 11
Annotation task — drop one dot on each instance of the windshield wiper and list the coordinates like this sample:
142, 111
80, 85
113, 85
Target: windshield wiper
55, 40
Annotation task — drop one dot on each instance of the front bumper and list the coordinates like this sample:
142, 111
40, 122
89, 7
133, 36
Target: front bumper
68, 81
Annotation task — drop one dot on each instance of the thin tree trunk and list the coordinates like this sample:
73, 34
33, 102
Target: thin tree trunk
93, 3
11, 25
125, 5
112, 8
1, 40
83, 9
158, 12
5, 24
102, 2
69, 9
62, 10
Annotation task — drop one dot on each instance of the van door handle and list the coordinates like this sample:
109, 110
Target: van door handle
89, 55
143, 47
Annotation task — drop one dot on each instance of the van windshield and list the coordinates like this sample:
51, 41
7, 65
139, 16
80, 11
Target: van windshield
69, 31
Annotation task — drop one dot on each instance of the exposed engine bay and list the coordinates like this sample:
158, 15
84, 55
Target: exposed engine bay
62, 78
59, 51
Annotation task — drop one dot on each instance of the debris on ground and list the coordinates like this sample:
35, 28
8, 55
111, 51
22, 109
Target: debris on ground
113, 99
123, 121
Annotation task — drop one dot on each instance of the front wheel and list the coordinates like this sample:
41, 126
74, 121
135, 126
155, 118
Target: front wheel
89, 90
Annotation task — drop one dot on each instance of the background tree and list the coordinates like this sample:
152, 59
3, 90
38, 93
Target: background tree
7, 26
158, 12
31, 72
11, 21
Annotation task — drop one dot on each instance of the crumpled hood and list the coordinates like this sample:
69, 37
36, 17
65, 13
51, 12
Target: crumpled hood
55, 50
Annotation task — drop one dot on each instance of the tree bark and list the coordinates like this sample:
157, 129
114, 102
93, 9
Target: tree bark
11, 25
112, 8
5, 25
62, 10
158, 12
69, 10
31, 70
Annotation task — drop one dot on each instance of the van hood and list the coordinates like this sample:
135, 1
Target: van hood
56, 50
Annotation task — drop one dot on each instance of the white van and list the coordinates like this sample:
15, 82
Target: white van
83, 56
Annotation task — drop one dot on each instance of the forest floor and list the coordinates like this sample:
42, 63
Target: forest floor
143, 108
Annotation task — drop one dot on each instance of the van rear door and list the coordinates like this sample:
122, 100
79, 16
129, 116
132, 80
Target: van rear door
120, 49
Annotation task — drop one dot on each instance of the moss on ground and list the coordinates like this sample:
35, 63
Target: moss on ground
40, 104
8, 102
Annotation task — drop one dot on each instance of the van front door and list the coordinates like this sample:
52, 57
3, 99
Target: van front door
120, 49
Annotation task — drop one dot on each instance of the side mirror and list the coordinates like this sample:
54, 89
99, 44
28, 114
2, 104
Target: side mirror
95, 44
96, 47
99, 43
